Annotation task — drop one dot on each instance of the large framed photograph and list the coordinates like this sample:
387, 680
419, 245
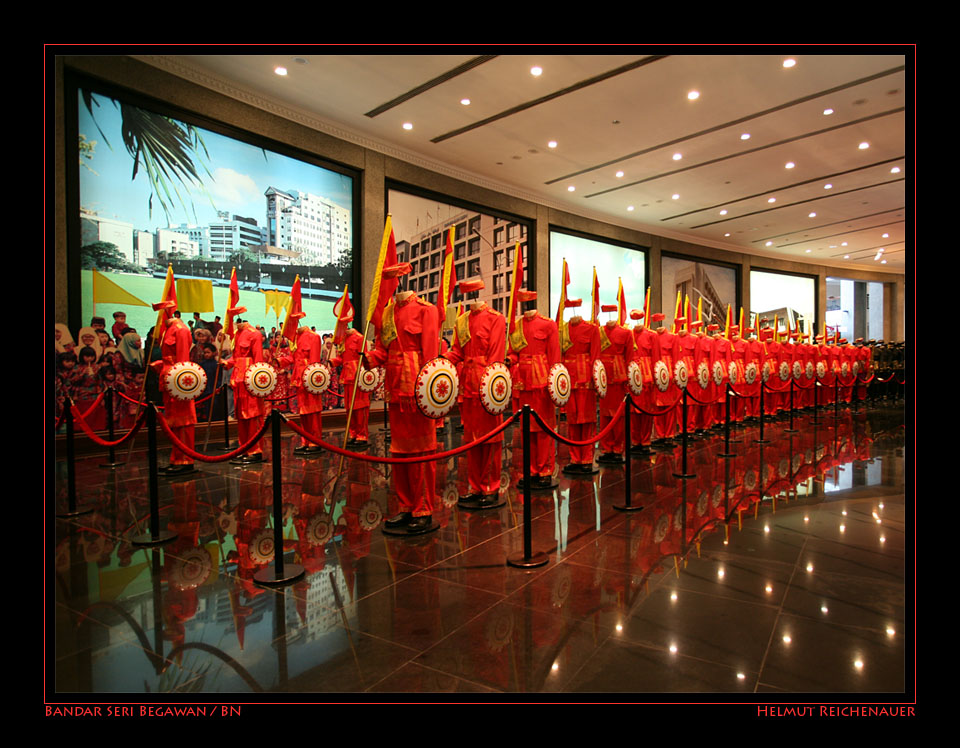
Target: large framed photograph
613, 263
712, 284
484, 245
792, 299
155, 187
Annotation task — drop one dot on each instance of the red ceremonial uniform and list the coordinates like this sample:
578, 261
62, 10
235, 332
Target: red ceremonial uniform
542, 351
646, 352
349, 358
755, 357
409, 337
479, 341
688, 352
309, 350
703, 353
181, 415
581, 408
249, 410
616, 353
738, 405
669, 348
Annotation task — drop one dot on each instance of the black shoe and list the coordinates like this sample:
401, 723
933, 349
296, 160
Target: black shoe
488, 500
542, 481
572, 469
398, 520
248, 459
610, 458
418, 525
472, 498
359, 444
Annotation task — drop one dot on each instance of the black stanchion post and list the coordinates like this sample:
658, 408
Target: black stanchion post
761, 440
226, 417
527, 559
156, 536
72, 510
111, 453
627, 505
279, 574
683, 441
726, 424
790, 429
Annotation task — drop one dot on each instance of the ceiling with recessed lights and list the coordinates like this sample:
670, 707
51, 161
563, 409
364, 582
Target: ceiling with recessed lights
800, 157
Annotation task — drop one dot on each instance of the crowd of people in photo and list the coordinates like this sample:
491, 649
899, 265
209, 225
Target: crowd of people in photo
98, 358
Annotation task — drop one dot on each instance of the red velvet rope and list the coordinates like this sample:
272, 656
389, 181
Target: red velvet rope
398, 460
142, 403
697, 399
103, 442
771, 388
586, 442
93, 405
207, 458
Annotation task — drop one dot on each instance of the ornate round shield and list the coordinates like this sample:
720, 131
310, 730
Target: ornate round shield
260, 379
319, 529
750, 373
261, 547
797, 369
821, 369
732, 371
496, 388
370, 515
635, 378
558, 384
316, 378
783, 467
808, 370
750, 479
600, 377
766, 371
436, 388
185, 380
450, 494
661, 375
718, 373
844, 368
703, 375
662, 528
784, 371
717, 494
703, 503
192, 570
856, 367
367, 380
680, 373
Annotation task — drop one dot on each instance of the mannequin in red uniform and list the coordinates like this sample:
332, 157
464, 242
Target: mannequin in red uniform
249, 410
738, 405
409, 336
181, 415
480, 339
669, 349
583, 348
535, 347
309, 351
646, 351
688, 352
349, 357
616, 353
755, 357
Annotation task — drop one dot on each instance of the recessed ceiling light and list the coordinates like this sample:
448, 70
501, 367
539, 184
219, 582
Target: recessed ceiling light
885, 236
552, 144
677, 156
407, 125
864, 145
811, 215
693, 95
675, 196
843, 244
789, 62
789, 165
536, 70
883, 262
846, 257
828, 111
619, 174
723, 212
828, 186
771, 199
727, 234
895, 170
571, 188
629, 207
745, 136
807, 251
280, 70
465, 102
769, 244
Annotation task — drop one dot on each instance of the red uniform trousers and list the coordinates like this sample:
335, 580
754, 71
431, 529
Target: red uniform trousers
483, 461
542, 452
613, 441
581, 412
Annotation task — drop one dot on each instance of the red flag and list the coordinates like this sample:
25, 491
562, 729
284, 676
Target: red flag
167, 305
384, 287
564, 282
595, 298
344, 311
515, 286
294, 313
621, 304
446, 282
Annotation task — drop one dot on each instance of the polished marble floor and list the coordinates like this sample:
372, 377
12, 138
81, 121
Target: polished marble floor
782, 569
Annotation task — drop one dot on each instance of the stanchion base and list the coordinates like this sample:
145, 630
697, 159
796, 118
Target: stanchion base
111, 464
628, 507
579, 469
610, 458
247, 460
179, 473
684, 476
791, 431
535, 487
761, 441
74, 513
221, 448
519, 561
478, 505
164, 536
403, 532
268, 575
640, 450
726, 455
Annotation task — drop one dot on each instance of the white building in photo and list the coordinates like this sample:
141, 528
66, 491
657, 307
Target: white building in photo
309, 224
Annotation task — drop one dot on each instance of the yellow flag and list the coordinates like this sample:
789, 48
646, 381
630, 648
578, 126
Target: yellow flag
194, 295
276, 300
105, 291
